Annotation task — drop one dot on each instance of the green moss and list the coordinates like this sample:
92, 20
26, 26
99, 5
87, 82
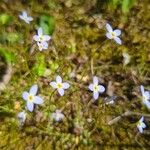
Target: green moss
78, 41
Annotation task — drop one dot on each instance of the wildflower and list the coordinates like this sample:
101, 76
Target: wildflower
21, 117
113, 34
96, 88
141, 125
59, 85
25, 17
145, 97
31, 98
57, 115
42, 45
126, 58
40, 37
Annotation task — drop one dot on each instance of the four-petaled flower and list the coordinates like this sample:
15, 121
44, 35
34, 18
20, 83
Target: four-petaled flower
113, 34
145, 97
141, 125
25, 17
40, 37
59, 85
96, 88
31, 98
58, 115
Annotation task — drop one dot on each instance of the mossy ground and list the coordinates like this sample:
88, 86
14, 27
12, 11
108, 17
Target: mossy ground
78, 50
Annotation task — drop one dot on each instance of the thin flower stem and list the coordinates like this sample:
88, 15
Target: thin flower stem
50, 98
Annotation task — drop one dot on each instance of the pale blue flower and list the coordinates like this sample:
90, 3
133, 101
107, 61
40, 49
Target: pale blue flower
58, 115
96, 88
145, 97
113, 34
31, 98
24, 16
22, 117
42, 45
141, 125
40, 37
59, 85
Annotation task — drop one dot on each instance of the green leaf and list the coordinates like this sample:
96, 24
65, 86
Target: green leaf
126, 5
5, 19
9, 57
13, 37
47, 23
40, 66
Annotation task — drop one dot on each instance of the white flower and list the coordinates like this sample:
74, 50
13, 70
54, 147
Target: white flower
141, 125
113, 34
40, 37
31, 98
25, 17
21, 117
145, 97
57, 115
59, 85
42, 45
126, 58
96, 88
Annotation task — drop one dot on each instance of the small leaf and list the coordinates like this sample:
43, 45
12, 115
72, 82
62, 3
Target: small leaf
47, 23
40, 66
9, 57
5, 19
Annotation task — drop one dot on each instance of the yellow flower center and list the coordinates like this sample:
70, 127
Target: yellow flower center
30, 98
59, 85
41, 38
95, 88
113, 34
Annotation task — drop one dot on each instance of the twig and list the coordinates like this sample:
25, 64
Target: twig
127, 113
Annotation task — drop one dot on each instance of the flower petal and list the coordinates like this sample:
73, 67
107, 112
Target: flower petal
42, 45
38, 100
147, 95
46, 37
95, 80
25, 95
40, 31
30, 106
34, 89
117, 32
91, 87
143, 125
95, 95
109, 28
65, 85
140, 129
142, 119
24, 14
61, 91
118, 40
147, 103
36, 38
142, 89
58, 79
21, 17
53, 84
109, 36
101, 88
